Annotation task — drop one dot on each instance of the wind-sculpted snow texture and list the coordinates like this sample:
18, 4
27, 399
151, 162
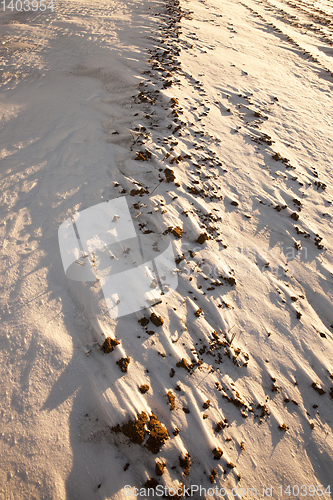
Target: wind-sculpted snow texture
214, 119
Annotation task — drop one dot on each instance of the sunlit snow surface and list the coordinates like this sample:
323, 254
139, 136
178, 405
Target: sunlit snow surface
251, 87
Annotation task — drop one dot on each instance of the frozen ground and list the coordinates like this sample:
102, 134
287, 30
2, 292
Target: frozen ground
97, 100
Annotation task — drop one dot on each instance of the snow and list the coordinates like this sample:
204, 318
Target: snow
92, 95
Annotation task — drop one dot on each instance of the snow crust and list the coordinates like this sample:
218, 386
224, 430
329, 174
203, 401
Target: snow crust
97, 99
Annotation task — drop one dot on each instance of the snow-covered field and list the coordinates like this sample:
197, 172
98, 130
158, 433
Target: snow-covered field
213, 118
